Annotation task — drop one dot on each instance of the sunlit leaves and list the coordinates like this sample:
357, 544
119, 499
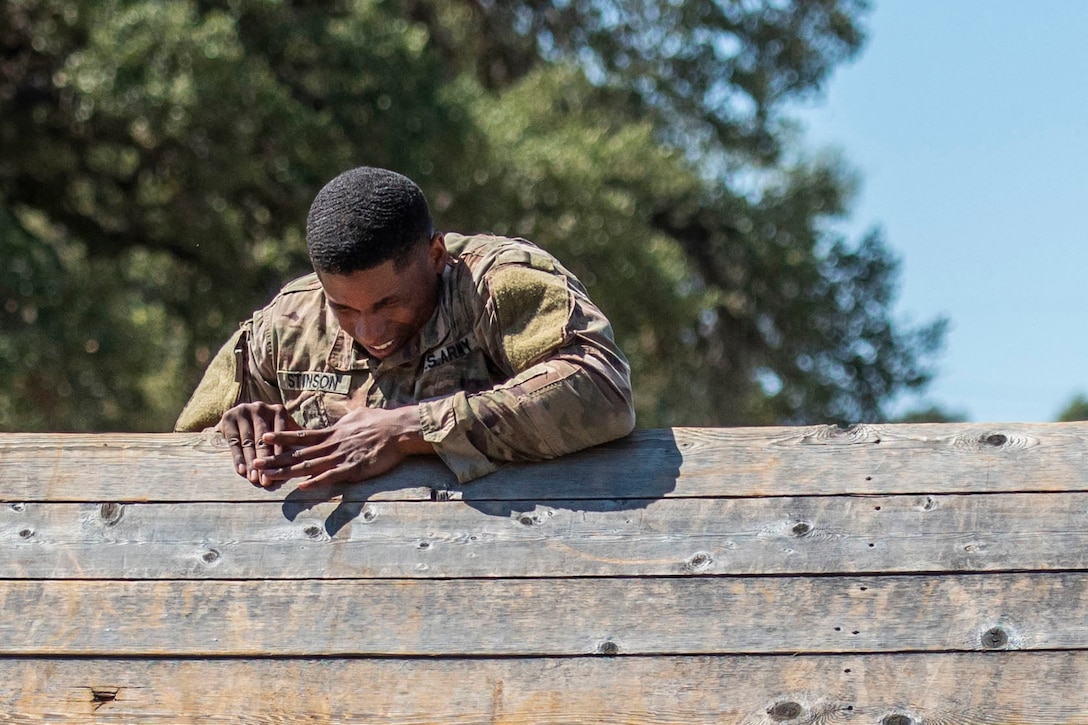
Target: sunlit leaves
157, 160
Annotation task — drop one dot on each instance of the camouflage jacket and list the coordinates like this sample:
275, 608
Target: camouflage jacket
515, 364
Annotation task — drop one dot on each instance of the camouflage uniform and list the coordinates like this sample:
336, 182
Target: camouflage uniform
515, 364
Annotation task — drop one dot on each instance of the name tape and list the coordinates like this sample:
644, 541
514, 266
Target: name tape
338, 383
449, 353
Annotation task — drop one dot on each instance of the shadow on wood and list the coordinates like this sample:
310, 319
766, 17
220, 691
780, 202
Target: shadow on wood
581, 482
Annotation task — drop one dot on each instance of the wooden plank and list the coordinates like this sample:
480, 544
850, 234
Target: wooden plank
804, 535
511, 617
681, 462
814, 460
901, 689
160, 467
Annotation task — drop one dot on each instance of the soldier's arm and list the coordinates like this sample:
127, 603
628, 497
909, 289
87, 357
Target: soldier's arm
570, 389
236, 396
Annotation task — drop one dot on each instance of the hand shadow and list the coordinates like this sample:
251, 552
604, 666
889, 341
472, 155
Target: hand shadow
416, 480
626, 474
299, 501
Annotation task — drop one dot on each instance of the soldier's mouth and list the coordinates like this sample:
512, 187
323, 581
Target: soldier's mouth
386, 348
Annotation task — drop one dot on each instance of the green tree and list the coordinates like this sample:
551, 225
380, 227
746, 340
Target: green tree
931, 414
1075, 409
157, 159
174, 148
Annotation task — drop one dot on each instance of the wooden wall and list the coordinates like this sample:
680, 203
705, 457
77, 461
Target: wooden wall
894, 575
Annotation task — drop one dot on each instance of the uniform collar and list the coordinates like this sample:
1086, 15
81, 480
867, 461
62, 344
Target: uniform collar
342, 354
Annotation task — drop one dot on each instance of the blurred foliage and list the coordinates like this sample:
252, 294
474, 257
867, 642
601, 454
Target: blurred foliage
157, 160
931, 414
1076, 409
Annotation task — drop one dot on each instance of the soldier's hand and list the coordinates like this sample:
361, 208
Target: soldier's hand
366, 442
244, 426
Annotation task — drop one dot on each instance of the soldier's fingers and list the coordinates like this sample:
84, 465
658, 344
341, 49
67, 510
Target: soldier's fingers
230, 432
280, 424
280, 461
296, 438
339, 474
308, 467
263, 420
262, 449
292, 456
269, 485
249, 448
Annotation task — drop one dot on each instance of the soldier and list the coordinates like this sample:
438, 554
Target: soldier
479, 349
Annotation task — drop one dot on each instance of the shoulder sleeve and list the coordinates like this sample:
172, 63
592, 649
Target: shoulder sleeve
218, 389
243, 371
569, 384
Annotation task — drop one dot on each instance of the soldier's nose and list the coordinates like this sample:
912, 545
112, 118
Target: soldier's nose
371, 333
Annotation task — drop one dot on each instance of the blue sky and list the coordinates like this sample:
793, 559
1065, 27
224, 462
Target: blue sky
967, 121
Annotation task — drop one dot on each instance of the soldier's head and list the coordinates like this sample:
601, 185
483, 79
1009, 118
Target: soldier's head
373, 246
365, 217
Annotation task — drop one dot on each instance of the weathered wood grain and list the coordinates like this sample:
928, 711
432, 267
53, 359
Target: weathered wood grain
800, 535
680, 462
159, 467
898, 575
511, 617
940, 689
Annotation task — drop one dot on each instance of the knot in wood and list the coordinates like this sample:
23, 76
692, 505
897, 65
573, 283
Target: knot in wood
210, 556
699, 561
313, 531
996, 440
369, 514
897, 719
783, 711
26, 533
18, 506
111, 512
533, 518
995, 638
608, 648
801, 528
838, 435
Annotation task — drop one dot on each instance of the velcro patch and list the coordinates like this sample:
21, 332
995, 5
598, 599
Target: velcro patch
533, 308
314, 380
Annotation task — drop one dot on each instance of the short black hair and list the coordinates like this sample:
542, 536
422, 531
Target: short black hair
366, 217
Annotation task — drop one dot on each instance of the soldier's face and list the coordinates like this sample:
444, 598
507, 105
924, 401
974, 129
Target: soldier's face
382, 308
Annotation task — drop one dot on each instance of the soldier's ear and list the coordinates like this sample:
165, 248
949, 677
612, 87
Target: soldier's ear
437, 253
